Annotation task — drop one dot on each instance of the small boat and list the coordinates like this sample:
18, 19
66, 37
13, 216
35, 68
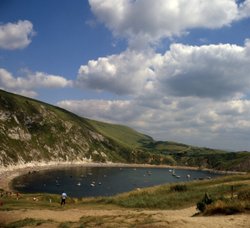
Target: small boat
149, 173
92, 185
100, 183
79, 184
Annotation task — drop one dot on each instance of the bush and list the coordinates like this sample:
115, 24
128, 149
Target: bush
226, 208
178, 188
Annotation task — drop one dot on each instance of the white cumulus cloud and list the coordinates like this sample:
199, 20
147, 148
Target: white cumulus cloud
25, 85
125, 73
147, 21
194, 121
215, 71
16, 35
209, 71
192, 94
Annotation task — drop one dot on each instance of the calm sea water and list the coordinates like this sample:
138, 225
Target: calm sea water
101, 181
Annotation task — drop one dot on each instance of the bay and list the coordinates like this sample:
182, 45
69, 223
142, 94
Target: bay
102, 181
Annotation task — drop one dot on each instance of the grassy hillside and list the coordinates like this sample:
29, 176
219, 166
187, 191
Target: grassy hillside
31, 130
34, 131
124, 135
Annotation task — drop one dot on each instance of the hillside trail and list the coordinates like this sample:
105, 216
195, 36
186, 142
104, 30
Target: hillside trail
126, 218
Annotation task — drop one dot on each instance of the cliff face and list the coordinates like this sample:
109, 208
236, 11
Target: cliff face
34, 131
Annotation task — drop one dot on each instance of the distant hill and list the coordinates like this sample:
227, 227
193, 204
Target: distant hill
31, 130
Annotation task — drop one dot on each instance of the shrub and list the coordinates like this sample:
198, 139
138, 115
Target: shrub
178, 188
227, 208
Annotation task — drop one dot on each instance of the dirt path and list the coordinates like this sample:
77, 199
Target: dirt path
126, 218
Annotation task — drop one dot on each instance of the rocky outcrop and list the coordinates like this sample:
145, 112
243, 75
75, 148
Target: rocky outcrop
34, 131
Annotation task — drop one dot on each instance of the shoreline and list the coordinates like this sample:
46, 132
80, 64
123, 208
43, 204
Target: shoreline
9, 173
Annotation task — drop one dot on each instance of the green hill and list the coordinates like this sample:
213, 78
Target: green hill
126, 136
31, 130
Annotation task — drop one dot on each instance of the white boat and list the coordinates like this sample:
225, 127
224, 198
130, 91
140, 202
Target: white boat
149, 173
79, 184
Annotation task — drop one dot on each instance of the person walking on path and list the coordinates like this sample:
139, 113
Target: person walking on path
63, 198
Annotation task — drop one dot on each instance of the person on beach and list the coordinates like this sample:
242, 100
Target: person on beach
63, 198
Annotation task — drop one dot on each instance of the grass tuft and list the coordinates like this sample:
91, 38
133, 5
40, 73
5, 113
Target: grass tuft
26, 222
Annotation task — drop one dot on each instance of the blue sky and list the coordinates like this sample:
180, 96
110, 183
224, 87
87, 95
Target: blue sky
175, 70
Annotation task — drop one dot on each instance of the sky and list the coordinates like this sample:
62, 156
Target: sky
175, 70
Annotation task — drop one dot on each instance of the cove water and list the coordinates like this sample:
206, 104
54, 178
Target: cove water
102, 181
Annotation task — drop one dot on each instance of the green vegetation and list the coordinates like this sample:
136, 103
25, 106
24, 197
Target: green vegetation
178, 188
220, 198
35, 131
26, 222
124, 135
236, 203
172, 196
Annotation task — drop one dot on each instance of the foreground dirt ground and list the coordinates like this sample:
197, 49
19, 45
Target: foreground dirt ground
78, 217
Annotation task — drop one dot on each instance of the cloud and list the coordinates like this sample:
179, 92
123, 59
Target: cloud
192, 94
214, 71
116, 73
145, 21
244, 10
25, 85
16, 35
208, 71
184, 119
111, 110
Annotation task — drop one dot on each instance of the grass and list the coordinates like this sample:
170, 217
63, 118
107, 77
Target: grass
26, 222
163, 197
123, 135
169, 196
227, 205
47, 125
122, 220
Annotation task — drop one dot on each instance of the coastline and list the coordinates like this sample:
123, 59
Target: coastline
7, 174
